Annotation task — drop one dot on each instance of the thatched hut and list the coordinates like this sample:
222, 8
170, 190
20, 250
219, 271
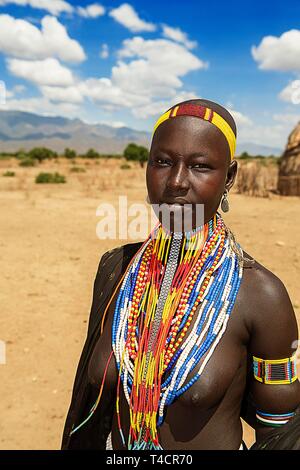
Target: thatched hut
289, 171
257, 177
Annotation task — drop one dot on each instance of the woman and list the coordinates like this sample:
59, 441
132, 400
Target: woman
187, 332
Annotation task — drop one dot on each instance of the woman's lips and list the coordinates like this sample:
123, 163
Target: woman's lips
176, 206
176, 202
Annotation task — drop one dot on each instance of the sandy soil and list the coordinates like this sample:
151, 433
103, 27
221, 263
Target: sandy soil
49, 254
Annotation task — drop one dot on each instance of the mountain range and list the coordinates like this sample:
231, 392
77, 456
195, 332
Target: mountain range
23, 130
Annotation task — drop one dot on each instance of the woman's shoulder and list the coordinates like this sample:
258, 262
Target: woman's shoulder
265, 297
262, 281
259, 274
125, 252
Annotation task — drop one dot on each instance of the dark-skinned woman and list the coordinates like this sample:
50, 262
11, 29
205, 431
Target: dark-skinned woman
187, 332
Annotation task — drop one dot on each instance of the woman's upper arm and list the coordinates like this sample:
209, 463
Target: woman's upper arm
274, 335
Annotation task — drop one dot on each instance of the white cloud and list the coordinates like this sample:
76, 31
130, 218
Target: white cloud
8, 94
14, 91
291, 93
127, 16
157, 108
91, 11
156, 67
56, 7
138, 77
19, 38
104, 52
270, 135
158, 51
41, 105
69, 94
240, 119
287, 118
146, 84
53, 6
103, 91
176, 34
273, 134
146, 80
279, 53
41, 72
19, 88
115, 124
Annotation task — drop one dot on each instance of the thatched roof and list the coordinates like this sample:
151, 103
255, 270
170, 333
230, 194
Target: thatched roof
289, 171
257, 177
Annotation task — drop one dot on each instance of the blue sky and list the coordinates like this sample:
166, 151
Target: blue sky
125, 63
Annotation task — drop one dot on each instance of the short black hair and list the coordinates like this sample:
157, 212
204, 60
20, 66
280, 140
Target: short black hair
215, 107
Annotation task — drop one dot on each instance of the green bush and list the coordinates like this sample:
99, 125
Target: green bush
42, 178
69, 153
125, 166
27, 162
91, 153
244, 156
21, 155
137, 153
42, 153
77, 169
9, 173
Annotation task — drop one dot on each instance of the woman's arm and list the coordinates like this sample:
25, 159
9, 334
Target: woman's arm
274, 335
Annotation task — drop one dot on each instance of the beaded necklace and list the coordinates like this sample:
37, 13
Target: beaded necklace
170, 277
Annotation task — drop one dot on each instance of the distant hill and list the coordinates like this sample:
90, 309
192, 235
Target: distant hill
24, 130
257, 149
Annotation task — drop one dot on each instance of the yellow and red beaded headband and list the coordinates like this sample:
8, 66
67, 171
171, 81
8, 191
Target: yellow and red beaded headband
203, 113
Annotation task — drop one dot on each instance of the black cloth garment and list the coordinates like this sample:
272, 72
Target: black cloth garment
286, 437
94, 433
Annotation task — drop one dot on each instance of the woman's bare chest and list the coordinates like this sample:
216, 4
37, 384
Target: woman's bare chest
210, 386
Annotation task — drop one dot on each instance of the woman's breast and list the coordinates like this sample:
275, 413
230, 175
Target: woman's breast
208, 389
221, 369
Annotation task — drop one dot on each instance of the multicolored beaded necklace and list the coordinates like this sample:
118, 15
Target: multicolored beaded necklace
171, 277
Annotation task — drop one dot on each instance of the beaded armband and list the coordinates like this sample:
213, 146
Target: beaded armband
274, 420
275, 371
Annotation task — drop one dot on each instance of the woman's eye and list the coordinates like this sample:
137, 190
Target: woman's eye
200, 166
162, 161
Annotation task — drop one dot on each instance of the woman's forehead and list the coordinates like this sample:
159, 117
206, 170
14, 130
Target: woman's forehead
188, 135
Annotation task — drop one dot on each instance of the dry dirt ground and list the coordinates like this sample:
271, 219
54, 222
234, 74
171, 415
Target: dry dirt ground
49, 254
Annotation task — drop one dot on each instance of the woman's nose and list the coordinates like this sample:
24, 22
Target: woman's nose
178, 178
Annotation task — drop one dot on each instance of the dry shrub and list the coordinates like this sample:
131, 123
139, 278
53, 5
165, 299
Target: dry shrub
257, 178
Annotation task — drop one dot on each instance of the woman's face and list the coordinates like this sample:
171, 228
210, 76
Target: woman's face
189, 164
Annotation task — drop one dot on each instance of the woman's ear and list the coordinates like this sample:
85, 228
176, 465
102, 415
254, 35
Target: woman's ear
231, 174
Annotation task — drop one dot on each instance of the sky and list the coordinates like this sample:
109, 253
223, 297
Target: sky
124, 64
